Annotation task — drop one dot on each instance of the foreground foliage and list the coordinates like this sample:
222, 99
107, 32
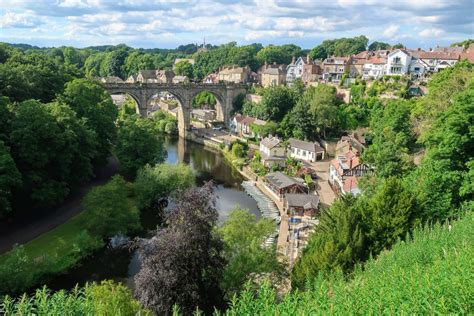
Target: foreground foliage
182, 263
247, 258
106, 298
430, 274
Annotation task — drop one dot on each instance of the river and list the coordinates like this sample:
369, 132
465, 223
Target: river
120, 264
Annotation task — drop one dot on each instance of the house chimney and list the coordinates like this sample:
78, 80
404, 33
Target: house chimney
293, 60
308, 58
419, 49
274, 62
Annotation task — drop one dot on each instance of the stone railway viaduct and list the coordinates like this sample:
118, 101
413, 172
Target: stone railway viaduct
142, 93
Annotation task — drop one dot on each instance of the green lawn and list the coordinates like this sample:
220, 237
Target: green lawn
56, 241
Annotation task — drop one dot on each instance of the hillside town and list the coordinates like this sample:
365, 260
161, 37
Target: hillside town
417, 64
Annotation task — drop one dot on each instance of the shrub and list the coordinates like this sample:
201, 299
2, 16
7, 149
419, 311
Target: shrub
106, 298
154, 183
108, 210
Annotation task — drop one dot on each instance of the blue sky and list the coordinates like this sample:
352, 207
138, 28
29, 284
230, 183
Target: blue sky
169, 23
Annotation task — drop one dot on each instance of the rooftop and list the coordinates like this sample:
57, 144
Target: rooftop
309, 146
306, 201
270, 142
281, 180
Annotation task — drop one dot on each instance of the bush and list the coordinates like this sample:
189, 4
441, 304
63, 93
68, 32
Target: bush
154, 183
237, 150
171, 127
109, 211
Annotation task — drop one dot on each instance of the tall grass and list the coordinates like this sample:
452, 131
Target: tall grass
107, 298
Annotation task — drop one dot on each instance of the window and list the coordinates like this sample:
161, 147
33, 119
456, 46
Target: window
304, 152
396, 60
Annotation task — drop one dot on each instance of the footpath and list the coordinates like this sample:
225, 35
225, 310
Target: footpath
22, 230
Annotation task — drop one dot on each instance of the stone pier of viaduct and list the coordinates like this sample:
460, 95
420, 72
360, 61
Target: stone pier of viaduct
142, 93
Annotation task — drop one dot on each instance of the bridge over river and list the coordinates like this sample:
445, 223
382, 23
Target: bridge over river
142, 93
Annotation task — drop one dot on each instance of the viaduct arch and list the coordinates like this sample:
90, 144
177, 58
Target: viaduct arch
142, 93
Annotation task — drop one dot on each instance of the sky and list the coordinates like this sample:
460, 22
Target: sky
170, 23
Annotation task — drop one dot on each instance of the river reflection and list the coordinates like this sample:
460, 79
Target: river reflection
208, 164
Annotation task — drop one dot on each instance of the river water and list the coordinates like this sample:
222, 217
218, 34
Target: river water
120, 264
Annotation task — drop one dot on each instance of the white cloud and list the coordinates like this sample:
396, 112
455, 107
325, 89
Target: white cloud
20, 20
432, 33
391, 31
304, 21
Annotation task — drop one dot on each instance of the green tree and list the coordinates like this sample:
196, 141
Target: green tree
276, 102
33, 76
399, 45
278, 54
78, 146
137, 145
72, 56
109, 211
46, 151
448, 159
338, 242
264, 130
10, 178
299, 123
340, 47
184, 68
378, 45
323, 107
390, 214
6, 116
392, 139
90, 101
128, 108
156, 182
247, 259
204, 99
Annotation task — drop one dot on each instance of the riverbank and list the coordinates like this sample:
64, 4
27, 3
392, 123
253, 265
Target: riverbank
284, 227
23, 230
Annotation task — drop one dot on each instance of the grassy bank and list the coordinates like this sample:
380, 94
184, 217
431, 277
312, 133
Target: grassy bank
61, 248
431, 274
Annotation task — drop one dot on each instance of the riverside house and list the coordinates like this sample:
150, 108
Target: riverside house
342, 171
282, 184
273, 152
308, 151
241, 125
301, 204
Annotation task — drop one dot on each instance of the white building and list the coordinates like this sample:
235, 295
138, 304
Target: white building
374, 68
398, 62
272, 151
295, 69
303, 150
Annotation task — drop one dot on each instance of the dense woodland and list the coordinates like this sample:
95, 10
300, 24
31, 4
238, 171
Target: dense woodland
57, 126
